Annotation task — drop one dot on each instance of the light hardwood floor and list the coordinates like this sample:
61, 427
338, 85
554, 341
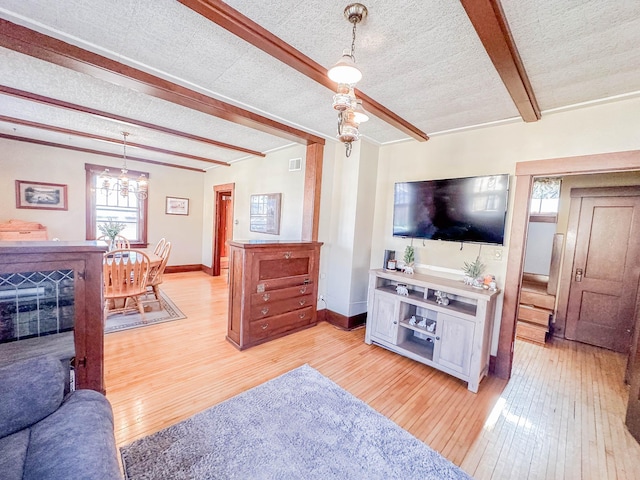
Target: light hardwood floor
560, 416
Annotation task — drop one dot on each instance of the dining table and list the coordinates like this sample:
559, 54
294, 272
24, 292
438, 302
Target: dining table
154, 260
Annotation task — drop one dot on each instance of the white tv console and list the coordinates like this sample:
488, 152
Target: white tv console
454, 338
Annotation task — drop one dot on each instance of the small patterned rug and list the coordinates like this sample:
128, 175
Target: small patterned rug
119, 321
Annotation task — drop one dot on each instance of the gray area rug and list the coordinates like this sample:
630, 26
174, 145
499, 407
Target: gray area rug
300, 425
165, 312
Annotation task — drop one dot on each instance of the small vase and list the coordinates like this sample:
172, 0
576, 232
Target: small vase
112, 244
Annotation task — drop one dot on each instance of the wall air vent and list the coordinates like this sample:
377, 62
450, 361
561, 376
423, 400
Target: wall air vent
295, 164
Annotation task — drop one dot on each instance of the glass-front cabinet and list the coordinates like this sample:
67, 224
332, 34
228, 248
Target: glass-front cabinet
51, 303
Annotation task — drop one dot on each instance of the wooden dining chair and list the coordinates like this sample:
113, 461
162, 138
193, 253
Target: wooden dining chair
155, 277
119, 242
125, 274
159, 246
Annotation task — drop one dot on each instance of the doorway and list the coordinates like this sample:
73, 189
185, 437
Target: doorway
599, 214
628, 161
222, 226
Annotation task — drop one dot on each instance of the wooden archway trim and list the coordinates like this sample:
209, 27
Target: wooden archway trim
525, 172
312, 190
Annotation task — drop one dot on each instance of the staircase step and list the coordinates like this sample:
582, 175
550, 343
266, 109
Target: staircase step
532, 332
534, 315
537, 299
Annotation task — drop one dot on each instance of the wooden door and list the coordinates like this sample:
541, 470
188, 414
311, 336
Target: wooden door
222, 225
225, 222
633, 377
606, 266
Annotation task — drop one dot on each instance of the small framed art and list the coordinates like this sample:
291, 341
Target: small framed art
177, 206
264, 214
44, 196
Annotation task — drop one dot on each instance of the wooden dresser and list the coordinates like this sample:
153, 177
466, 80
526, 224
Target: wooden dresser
18, 231
273, 288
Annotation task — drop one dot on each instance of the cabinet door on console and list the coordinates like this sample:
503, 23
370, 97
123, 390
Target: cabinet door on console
385, 319
456, 340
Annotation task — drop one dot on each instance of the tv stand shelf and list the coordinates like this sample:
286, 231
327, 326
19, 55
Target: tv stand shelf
453, 337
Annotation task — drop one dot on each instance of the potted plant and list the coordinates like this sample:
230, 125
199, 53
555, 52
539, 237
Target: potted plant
472, 271
409, 258
111, 229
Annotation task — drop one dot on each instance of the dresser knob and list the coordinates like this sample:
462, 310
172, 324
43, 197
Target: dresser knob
265, 310
287, 255
266, 297
303, 289
302, 302
302, 315
264, 326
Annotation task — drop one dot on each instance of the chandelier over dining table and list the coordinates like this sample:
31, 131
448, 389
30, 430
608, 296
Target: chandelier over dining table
346, 74
122, 183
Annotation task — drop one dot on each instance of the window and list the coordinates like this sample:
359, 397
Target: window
545, 197
103, 205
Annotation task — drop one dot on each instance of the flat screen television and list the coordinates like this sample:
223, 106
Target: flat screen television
471, 209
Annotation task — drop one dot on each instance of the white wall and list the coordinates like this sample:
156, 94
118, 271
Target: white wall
38, 163
346, 226
598, 129
363, 224
537, 258
257, 175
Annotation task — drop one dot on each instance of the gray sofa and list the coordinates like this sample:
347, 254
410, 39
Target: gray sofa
45, 435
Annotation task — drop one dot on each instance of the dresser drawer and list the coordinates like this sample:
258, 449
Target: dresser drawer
280, 283
268, 327
281, 306
270, 296
288, 263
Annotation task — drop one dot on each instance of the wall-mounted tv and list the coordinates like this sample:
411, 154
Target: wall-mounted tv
471, 209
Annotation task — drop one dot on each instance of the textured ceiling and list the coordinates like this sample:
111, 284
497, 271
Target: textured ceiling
420, 59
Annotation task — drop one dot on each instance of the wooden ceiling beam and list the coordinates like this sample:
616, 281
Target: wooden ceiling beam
67, 131
97, 152
235, 22
490, 23
109, 116
30, 42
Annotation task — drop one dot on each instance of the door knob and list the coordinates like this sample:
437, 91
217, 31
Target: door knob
579, 274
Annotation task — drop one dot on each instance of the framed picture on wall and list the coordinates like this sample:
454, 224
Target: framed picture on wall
43, 196
264, 214
177, 206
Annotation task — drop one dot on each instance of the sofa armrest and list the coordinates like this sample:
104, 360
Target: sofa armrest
76, 442
30, 390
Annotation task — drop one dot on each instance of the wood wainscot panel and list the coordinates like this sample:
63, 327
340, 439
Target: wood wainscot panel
342, 321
